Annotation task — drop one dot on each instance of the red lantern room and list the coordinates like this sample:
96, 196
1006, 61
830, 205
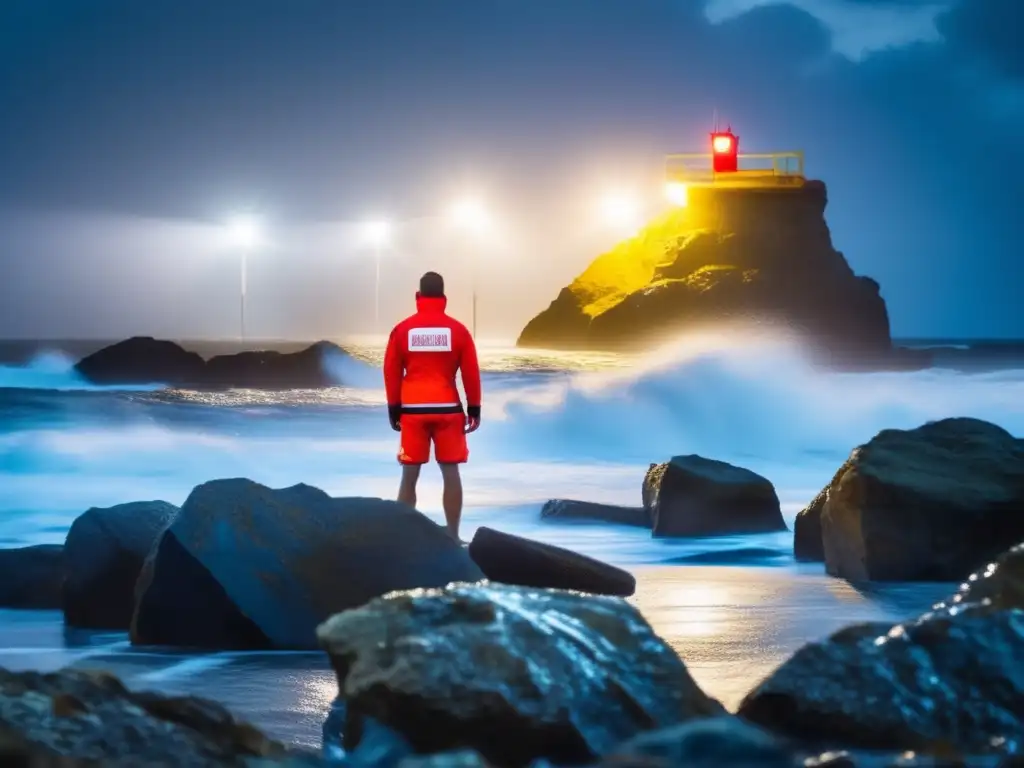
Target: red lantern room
724, 151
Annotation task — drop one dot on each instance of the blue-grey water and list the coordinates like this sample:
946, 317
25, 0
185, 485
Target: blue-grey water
555, 426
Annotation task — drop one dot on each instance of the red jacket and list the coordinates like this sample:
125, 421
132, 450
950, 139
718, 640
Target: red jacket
424, 352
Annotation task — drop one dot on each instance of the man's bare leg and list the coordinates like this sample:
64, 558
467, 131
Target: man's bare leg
407, 488
451, 498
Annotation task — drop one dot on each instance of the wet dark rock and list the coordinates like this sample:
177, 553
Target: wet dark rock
946, 684
513, 674
572, 510
271, 370
807, 542
104, 552
926, 504
719, 742
246, 566
694, 496
523, 562
861, 759
31, 577
142, 360
90, 716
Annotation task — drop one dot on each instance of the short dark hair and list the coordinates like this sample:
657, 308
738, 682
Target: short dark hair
431, 285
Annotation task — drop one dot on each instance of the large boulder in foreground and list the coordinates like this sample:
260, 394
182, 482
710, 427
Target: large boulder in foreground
694, 496
512, 673
926, 504
104, 552
142, 360
949, 682
747, 256
246, 566
32, 577
91, 717
572, 510
523, 562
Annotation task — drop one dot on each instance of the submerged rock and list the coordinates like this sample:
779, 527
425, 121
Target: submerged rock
589, 511
246, 566
31, 577
523, 562
91, 716
946, 684
694, 496
925, 504
514, 674
104, 552
719, 742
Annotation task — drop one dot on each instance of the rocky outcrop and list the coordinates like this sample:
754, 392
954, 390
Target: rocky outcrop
104, 552
245, 566
144, 360
948, 683
694, 496
523, 562
589, 511
273, 370
732, 256
90, 718
929, 504
32, 577
514, 674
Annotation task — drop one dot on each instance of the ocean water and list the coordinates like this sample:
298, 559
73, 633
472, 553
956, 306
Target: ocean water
554, 426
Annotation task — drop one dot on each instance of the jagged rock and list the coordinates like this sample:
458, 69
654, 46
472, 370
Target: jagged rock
949, 683
91, 717
245, 566
31, 577
104, 552
571, 509
925, 504
142, 360
514, 674
694, 496
733, 255
523, 562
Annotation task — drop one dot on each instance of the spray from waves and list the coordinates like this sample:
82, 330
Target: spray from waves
730, 397
53, 371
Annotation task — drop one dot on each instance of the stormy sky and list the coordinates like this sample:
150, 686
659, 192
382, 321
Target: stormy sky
131, 131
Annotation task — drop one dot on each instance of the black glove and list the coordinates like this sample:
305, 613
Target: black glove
395, 417
472, 418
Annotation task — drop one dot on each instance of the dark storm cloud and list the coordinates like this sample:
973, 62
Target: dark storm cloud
990, 30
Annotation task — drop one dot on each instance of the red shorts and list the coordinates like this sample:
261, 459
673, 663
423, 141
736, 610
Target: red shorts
447, 431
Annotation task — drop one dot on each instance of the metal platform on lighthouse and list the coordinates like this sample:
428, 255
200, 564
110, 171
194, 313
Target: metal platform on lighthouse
725, 167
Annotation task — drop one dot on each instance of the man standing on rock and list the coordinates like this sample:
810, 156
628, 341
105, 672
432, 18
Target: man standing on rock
423, 355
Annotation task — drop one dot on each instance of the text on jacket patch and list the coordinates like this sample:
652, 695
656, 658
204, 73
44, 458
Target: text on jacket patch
430, 339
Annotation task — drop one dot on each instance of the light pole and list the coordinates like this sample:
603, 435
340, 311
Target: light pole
245, 234
378, 234
470, 215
